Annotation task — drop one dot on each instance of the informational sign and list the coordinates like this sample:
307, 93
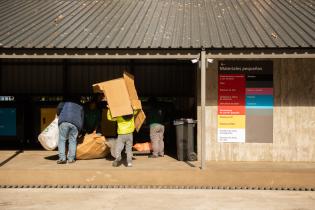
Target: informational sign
245, 101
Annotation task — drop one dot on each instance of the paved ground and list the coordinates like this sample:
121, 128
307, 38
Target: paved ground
153, 199
40, 168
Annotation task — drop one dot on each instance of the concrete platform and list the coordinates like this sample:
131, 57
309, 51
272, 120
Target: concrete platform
154, 199
40, 168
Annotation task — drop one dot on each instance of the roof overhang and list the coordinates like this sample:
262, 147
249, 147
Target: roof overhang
261, 53
182, 54
98, 54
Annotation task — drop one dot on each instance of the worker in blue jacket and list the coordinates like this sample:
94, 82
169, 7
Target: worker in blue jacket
71, 117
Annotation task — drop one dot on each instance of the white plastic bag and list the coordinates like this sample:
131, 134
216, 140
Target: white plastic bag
50, 136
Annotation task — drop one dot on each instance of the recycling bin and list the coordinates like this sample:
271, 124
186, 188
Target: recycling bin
8, 121
185, 139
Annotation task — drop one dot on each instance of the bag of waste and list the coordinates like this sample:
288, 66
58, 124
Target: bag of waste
93, 146
143, 147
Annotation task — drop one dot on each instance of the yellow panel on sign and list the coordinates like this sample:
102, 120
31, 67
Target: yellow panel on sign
231, 121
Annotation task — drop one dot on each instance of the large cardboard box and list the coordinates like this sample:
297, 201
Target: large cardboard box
133, 96
117, 96
122, 97
139, 120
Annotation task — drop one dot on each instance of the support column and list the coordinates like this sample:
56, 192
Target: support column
1, 77
203, 108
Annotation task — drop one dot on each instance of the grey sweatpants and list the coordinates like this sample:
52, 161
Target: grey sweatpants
121, 141
157, 136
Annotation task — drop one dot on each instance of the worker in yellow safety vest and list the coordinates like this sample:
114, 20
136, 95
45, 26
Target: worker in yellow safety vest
125, 129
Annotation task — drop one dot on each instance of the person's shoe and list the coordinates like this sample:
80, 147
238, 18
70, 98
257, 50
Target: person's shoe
129, 164
61, 161
71, 161
115, 163
161, 155
153, 156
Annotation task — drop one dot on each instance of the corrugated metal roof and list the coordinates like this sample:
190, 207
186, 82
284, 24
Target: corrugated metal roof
167, 24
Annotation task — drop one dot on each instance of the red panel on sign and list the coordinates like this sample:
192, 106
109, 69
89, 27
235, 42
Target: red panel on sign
231, 110
231, 90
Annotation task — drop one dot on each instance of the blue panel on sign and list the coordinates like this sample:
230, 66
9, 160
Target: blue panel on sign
7, 122
259, 101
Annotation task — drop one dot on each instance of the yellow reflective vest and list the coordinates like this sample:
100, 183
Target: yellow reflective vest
124, 126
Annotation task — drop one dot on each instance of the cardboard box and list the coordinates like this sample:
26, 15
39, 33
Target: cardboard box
129, 79
136, 104
139, 119
117, 97
122, 97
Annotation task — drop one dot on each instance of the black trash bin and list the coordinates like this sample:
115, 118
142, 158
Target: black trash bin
185, 139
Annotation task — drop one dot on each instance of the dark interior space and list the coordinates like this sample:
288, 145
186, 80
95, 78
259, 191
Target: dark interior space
32, 88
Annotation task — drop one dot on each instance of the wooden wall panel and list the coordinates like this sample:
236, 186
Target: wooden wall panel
31, 77
294, 117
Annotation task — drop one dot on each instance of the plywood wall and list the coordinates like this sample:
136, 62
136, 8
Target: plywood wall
293, 117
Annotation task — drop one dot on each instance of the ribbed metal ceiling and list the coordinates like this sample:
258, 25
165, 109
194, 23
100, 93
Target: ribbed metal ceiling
158, 24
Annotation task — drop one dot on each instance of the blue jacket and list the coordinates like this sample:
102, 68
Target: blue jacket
72, 113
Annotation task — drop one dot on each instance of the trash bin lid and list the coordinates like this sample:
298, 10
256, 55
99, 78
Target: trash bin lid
191, 121
178, 122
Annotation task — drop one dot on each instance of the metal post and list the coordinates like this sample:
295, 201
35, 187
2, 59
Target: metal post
1, 77
203, 108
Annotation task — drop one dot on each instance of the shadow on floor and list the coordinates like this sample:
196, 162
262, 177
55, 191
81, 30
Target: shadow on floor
10, 158
52, 157
190, 164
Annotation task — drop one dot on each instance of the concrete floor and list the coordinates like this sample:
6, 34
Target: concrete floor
153, 199
40, 168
